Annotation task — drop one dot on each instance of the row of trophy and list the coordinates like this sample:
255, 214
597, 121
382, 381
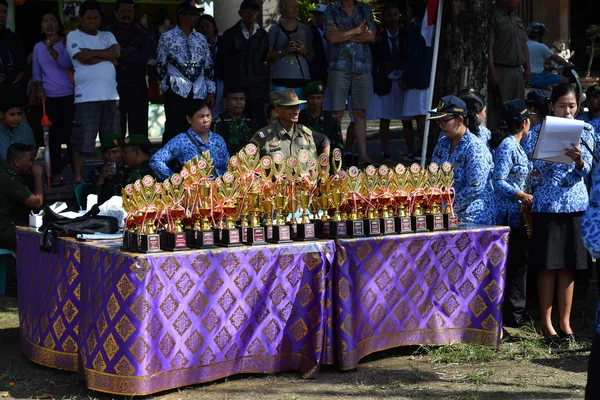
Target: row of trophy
278, 199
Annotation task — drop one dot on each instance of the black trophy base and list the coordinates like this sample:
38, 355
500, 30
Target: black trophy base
253, 236
338, 230
404, 225
356, 228
387, 226
128, 242
201, 239
420, 223
450, 221
372, 227
229, 237
279, 234
148, 243
171, 241
435, 222
322, 229
305, 232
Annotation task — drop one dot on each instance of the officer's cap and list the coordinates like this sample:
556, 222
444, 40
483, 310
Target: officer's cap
538, 97
515, 111
111, 142
187, 5
313, 88
449, 106
286, 97
136, 140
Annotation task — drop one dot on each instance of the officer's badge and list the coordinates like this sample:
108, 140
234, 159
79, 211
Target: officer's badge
116, 142
293, 95
313, 148
274, 144
269, 130
126, 140
440, 105
320, 87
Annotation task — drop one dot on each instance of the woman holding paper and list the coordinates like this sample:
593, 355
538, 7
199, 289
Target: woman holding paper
511, 169
559, 199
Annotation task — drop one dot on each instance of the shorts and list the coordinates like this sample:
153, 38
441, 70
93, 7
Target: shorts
92, 118
556, 242
544, 80
341, 83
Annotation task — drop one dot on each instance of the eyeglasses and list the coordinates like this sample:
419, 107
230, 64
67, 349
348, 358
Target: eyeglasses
443, 122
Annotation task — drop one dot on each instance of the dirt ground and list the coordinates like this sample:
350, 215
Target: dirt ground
522, 369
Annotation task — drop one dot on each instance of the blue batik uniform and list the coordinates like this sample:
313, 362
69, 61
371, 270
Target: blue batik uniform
484, 134
473, 165
559, 188
594, 121
511, 169
590, 222
186, 146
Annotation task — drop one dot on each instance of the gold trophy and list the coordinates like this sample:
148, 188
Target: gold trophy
305, 228
385, 200
229, 235
251, 168
403, 221
448, 194
203, 235
131, 228
433, 196
336, 194
354, 179
321, 202
418, 178
174, 238
267, 172
145, 195
371, 183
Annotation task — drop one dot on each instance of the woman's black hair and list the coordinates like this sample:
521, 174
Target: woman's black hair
561, 90
210, 19
194, 106
505, 130
475, 104
61, 29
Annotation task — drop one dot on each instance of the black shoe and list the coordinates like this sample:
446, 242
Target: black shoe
518, 322
553, 340
566, 338
506, 337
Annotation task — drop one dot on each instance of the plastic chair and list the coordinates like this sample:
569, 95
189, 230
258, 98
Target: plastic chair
79, 195
3, 252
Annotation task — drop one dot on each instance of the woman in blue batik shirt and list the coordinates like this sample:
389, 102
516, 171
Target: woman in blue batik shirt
471, 159
511, 169
559, 199
193, 142
476, 114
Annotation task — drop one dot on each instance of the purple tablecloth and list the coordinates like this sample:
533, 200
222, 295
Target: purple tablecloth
137, 324
432, 288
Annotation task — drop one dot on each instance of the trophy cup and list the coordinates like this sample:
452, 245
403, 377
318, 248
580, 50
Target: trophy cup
281, 232
130, 227
175, 238
336, 198
403, 221
267, 172
321, 202
448, 194
371, 223
417, 177
229, 235
385, 200
250, 168
148, 241
305, 228
433, 194
203, 236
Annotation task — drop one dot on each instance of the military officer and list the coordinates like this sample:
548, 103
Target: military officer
136, 154
319, 120
285, 136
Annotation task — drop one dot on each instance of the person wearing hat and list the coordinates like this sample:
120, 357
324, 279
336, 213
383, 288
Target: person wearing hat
319, 64
232, 125
539, 55
243, 50
184, 75
136, 156
476, 113
109, 179
319, 120
511, 169
286, 136
592, 99
538, 102
471, 160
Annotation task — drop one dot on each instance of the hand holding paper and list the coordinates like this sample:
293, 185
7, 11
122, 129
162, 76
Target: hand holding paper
556, 140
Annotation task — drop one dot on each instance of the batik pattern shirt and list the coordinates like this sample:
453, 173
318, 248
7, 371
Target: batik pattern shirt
349, 56
594, 121
559, 188
186, 146
185, 64
590, 223
511, 169
473, 167
484, 135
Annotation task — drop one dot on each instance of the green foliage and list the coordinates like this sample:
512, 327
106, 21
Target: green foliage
306, 9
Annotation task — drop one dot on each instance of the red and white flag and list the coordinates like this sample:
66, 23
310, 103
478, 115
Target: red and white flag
429, 20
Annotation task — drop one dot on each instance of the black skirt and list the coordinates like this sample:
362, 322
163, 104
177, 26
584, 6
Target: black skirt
556, 242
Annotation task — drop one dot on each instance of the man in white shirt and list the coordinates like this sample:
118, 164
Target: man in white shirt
94, 56
539, 54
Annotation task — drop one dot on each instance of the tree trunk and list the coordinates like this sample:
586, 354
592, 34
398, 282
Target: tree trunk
464, 47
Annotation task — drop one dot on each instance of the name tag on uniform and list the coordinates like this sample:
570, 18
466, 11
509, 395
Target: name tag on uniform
274, 149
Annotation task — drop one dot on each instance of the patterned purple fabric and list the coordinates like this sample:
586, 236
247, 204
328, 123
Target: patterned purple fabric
152, 323
432, 288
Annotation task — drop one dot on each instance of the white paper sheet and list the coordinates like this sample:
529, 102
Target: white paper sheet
556, 135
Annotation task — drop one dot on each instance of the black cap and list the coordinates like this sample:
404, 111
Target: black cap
515, 111
249, 4
188, 5
593, 90
538, 97
449, 105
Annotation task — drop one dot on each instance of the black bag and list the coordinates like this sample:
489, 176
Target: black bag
89, 223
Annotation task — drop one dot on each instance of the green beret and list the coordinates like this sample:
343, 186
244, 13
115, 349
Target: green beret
111, 142
136, 140
316, 87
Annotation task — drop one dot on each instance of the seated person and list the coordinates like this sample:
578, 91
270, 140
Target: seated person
136, 156
107, 180
191, 143
13, 130
232, 125
16, 198
271, 114
592, 116
319, 120
539, 53
286, 136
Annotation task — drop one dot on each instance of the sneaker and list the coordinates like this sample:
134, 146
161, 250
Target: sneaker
386, 157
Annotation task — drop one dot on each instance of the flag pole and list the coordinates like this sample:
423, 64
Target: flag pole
436, 49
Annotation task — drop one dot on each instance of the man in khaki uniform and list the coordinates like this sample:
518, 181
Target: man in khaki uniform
508, 53
285, 136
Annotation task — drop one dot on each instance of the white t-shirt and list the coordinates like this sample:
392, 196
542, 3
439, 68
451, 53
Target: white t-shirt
538, 54
97, 82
